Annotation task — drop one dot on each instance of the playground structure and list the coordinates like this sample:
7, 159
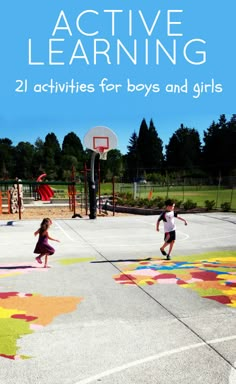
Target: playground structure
45, 191
16, 197
38, 194
5, 196
13, 198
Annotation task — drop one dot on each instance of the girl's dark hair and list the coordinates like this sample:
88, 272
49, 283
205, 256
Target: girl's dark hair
44, 225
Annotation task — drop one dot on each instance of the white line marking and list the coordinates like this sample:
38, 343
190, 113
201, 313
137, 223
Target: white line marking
158, 356
65, 233
222, 339
185, 236
138, 362
232, 376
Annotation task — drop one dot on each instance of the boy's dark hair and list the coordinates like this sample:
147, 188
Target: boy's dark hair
169, 202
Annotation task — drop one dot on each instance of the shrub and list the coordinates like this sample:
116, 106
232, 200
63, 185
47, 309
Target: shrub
124, 195
209, 204
130, 203
159, 202
225, 206
189, 204
178, 203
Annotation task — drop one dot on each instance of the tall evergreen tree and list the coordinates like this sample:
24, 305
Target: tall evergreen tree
6, 158
154, 160
131, 158
52, 157
72, 153
232, 144
142, 146
219, 147
24, 152
72, 145
38, 158
183, 151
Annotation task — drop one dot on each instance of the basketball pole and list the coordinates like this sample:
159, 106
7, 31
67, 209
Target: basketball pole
92, 189
100, 140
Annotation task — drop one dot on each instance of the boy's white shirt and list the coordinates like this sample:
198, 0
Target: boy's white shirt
168, 218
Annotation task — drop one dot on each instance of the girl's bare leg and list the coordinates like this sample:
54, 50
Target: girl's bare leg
46, 261
38, 259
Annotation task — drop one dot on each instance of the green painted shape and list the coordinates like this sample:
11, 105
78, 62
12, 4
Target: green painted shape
203, 292
205, 256
75, 260
11, 331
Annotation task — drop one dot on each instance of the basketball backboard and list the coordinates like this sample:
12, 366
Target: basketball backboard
101, 140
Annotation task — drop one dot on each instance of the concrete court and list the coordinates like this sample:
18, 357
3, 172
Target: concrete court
120, 334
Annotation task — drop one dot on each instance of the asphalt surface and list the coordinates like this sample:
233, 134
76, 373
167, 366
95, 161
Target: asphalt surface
137, 334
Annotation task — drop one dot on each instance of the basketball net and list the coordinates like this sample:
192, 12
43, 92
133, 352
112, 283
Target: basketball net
102, 154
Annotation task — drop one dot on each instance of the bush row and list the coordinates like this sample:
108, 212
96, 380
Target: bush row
126, 200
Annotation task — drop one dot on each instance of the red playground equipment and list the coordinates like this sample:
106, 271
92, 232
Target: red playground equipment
45, 191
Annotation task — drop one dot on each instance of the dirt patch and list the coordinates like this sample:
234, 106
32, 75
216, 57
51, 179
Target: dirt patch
54, 212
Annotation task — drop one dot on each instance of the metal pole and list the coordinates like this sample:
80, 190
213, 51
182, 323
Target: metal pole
19, 199
85, 189
231, 197
73, 191
92, 190
218, 189
99, 187
113, 194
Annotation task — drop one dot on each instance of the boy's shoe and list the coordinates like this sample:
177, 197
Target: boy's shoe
163, 252
168, 257
38, 259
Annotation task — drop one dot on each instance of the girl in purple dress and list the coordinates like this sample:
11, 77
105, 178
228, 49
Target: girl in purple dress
42, 247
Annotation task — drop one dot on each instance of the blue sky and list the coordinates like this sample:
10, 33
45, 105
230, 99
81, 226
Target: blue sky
196, 25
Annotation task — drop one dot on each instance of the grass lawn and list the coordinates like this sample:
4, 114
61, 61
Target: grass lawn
198, 194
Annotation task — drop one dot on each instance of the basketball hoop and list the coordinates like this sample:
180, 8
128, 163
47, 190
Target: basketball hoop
102, 153
100, 140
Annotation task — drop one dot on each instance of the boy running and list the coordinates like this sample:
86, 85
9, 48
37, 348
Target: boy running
168, 217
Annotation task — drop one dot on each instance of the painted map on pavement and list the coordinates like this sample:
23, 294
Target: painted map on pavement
23, 313
213, 277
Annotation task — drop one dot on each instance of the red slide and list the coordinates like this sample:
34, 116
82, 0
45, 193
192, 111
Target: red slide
45, 191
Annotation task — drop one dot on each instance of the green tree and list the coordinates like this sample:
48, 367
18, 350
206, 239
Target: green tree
73, 154
52, 157
38, 158
24, 152
6, 158
154, 156
113, 166
131, 159
219, 156
183, 151
72, 146
149, 149
142, 147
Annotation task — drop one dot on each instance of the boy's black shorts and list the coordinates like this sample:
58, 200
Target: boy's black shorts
169, 236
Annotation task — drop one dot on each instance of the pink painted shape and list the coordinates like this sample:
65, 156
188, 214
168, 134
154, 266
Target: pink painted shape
145, 272
167, 281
